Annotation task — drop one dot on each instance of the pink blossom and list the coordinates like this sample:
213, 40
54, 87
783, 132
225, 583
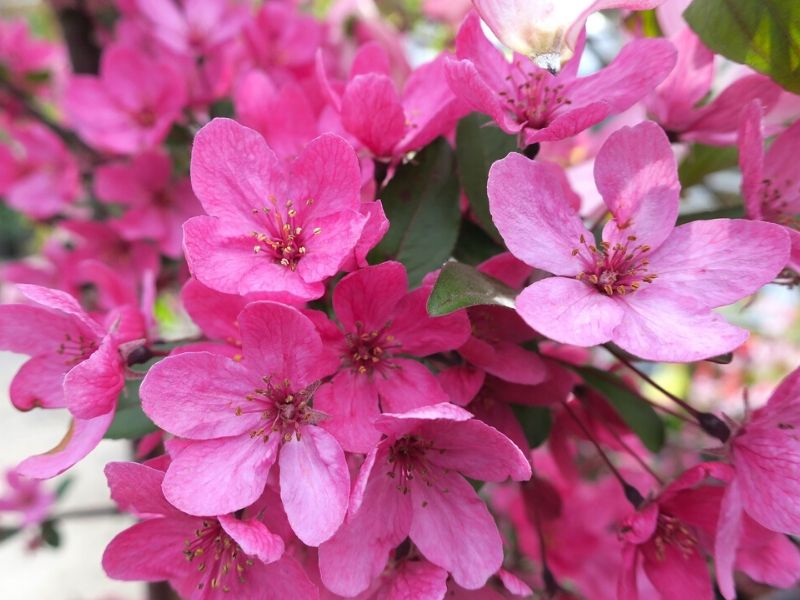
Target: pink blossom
203, 557
546, 30
38, 175
75, 363
194, 27
240, 417
384, 327
271, 226
131, 106
649, 287
770, 185
411, 484
674, 103
526, 99
155, 205
390, 122
28, 497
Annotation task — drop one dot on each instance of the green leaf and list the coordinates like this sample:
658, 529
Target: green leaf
222, 108
637, 414
536, 422
478, 145
63, 486
733, 212
474, 245
7, 532
722, 359
460, 286
764, 34
703, 160
130, 422
421, 203
50, 534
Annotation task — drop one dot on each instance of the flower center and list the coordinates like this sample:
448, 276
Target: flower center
671, 531
76, 350
284, 236
368, 350
146, 117
282, 410
407, 458
619, 269
532, 96
219, 559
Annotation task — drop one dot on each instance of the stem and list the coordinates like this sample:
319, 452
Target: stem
708, 422
86, 513
631, 493
67, 136
550, 582
636, 457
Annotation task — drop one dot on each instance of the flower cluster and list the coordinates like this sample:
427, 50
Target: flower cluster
380, 328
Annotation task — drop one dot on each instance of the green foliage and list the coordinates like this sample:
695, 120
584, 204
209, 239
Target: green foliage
421, 203
764, 34
460, 286
474, 245
130, 422
536, 422
703, 160
50, 534
637, 414
479, 143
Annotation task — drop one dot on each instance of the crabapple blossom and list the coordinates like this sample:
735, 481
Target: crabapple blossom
526, 99
240, 417
647, 286
383, 328
411, 485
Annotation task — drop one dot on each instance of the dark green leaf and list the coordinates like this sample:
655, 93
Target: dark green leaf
703, 160
764, 34
421, 203
7, 532
474, 245
479, 143
733, 212
50, 534
130, 422
536, 422
636, 413
460, 286
722, 359
222, 108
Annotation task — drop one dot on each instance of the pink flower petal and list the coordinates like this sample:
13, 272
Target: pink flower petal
39, 383
233, 170
420, 334
419, 580
453, 529
660, 325
569, 311
315, 484
751, 158
279, 341
351, 403
359, 551
528, 207
720, 261
408, 385
476, 450
369, 295
253, 538
81, 438
371, 112
92, 386
215, 477
196, 394
137, 488
637, 176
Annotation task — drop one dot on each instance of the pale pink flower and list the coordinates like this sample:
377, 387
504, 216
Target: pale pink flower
546, 30
27, 497
648, 286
